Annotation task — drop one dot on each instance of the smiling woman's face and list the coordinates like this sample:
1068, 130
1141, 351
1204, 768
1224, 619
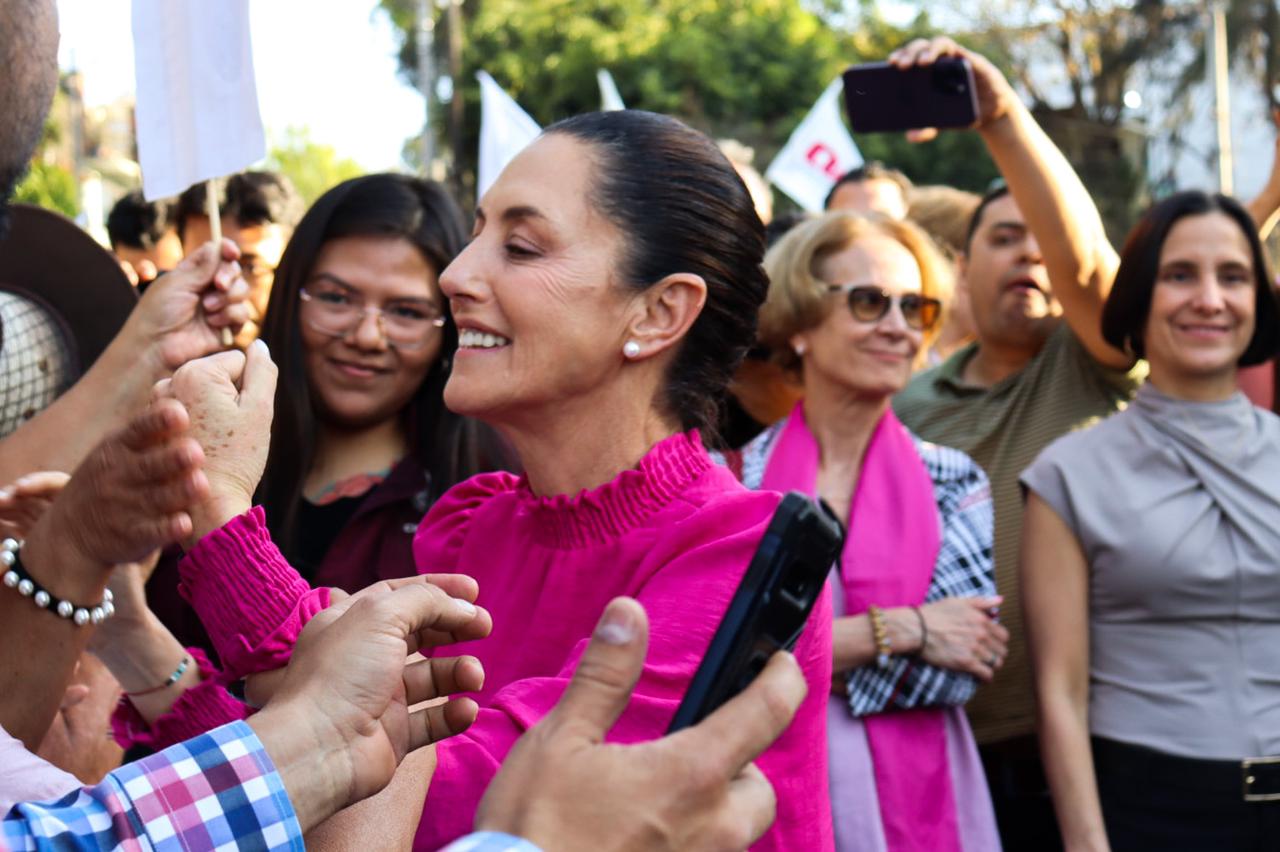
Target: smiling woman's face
541, 323
1203, 305
357, 380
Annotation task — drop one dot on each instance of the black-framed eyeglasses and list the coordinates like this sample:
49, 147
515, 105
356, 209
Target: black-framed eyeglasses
870, 304
336, 311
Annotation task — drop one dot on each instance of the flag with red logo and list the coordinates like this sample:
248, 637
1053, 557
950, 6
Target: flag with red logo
819, 151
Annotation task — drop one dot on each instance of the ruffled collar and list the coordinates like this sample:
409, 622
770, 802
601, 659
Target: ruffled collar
622, 504
1230, 427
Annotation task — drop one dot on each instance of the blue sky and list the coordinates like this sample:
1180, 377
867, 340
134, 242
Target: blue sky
328, 65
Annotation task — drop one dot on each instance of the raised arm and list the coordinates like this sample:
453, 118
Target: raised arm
1055, 602
1059, 211
127, 498
1265, 208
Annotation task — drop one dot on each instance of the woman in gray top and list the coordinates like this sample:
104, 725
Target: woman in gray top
1150, 576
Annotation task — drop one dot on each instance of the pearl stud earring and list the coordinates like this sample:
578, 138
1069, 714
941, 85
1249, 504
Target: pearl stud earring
631, 349
800, 348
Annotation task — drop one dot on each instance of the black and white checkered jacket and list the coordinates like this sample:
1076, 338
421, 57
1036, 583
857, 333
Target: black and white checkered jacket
965, 568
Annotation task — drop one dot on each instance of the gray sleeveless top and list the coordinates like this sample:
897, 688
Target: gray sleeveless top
1176, 506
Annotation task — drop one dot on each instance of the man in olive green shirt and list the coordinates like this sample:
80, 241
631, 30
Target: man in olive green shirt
1037, 268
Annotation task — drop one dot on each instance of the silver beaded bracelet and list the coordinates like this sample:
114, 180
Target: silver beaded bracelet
17, 577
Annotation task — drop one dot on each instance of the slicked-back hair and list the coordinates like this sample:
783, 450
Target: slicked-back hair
1124, 316
449, 447
681, 207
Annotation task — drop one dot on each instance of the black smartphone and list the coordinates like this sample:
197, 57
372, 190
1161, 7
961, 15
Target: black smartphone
882, 99
771, 606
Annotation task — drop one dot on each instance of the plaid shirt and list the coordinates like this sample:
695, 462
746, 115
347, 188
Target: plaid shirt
209, 792
965, 568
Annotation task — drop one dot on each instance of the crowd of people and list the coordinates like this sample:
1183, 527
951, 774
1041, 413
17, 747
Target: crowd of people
428, 557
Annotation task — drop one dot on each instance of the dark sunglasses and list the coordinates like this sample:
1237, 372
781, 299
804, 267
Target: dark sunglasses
870, 304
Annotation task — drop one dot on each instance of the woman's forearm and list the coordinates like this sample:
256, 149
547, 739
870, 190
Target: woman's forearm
1068, 761
853, 641
143, 655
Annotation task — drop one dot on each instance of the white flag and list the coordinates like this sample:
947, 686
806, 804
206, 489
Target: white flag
609, 97
197, 101
818, 153
505, 130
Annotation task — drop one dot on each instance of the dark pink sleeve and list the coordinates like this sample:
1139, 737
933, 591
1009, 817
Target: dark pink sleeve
203, 707
249, 598
686, 561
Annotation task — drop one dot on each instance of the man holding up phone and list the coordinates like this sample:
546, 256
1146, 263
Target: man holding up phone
1038, 267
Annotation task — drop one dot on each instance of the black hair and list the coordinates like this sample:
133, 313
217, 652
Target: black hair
451, 448
137, 223
1124, 317
874, 170
682, 208
1000, 190
250, 198
780, 225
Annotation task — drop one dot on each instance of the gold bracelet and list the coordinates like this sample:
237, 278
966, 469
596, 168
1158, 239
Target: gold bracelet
880, 635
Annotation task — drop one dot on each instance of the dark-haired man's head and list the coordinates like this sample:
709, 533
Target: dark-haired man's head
29, 59
1004, 274
871, 188
258, 211
142, 235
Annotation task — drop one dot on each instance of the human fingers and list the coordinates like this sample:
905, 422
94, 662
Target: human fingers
162, 389
231, 316
41, 485
167, 462
907, 55
432, 724
606, 674
258, 385
164, 418
737, 732
216, 368
922, 134
457, 585
752, 806
440, 676
414, 608
478, 628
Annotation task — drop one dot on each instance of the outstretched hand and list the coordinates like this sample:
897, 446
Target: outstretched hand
562, 788
346, 693
25, 500
129, 497
230, 397
994, 94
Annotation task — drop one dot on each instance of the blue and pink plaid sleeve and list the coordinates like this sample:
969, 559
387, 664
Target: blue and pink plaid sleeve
217, 790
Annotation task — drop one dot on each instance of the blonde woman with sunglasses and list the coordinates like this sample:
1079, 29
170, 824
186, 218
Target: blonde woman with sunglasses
853, 303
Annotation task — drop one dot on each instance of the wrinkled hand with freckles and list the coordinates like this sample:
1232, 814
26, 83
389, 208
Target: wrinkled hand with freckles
230, 397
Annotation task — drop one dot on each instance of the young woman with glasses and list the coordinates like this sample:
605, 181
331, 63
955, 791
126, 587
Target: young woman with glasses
853, 303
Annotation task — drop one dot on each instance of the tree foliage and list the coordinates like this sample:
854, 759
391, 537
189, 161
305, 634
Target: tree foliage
312, 167
50, 186
749, 70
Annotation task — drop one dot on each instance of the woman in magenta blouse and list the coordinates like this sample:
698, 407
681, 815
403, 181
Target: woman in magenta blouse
610, 289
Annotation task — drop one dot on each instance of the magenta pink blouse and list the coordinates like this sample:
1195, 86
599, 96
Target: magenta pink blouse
676, 533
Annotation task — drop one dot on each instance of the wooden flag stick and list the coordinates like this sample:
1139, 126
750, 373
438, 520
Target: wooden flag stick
215, 234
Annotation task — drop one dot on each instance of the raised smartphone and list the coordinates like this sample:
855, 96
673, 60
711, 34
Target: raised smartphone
883, 99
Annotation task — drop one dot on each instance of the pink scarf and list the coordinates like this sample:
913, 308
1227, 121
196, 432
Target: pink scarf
888, 560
